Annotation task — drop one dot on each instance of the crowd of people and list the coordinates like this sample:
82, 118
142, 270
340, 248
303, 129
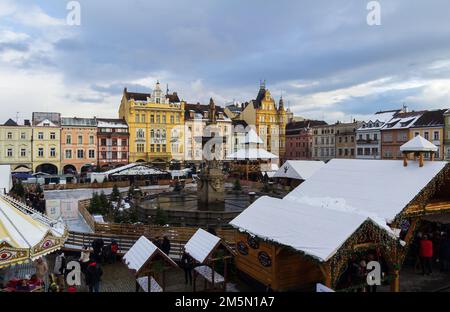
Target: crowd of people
431, 248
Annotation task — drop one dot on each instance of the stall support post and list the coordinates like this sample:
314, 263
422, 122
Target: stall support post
225, 273
395, 281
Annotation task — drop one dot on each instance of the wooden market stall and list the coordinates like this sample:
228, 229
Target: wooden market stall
206, 250
149, 264
310, 235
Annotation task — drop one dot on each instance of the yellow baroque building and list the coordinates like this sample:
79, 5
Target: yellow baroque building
156, 123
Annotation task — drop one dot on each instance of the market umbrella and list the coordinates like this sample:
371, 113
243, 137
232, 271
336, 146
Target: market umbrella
26, 234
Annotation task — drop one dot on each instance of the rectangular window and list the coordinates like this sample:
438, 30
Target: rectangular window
124, 142
91, 154
9, 153
426, 135
172, 119
69, 139
41, 135
103, 142
436, 135
91, 140
136, 118
10, 136
52, 152
23, 152
40, 152
114, 155
143, 118
23, 136
80, 139
114, 142
80, 154
52, 135
152, 118
68, 154
163, 119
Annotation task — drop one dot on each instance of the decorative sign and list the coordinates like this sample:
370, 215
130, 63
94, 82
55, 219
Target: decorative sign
264, 259
252, 242
242, 248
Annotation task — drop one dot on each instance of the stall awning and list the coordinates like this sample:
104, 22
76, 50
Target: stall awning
201, 245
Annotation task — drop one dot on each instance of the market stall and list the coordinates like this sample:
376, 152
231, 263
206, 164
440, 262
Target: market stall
206, 250
149, 265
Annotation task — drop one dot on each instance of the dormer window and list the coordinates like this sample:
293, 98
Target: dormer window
46, 124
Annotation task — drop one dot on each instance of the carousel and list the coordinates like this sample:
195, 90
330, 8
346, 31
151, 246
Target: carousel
25, 236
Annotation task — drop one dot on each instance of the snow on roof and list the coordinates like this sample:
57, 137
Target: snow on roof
111, 123
381, 118
299, 169
252, 138
201, 245
252, 154
131, 169
380, 187
418, 144
316, 231
139, 253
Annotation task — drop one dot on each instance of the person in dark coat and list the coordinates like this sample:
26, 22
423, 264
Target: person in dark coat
93, 276
97, 247
444, 253
165, 245
187, 263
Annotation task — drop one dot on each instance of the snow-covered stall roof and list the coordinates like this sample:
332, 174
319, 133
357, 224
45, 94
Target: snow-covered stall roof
201, 244
134, 169
299, 169
379, 187
141, 252
316, 231
418, 144
251, 154
252, 138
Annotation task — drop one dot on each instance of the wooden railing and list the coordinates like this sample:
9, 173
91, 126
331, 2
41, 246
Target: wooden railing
83, 209
71, 186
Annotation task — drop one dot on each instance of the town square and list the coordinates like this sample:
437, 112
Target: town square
224, 152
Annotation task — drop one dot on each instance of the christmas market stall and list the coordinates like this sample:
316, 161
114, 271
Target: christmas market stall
294, 172
131, 172
149, 264
337, 217
207, 250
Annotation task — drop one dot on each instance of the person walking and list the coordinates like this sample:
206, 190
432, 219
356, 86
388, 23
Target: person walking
114, 251
165, 245
84, 259
187, 264
59, 269
426, 255
93, 276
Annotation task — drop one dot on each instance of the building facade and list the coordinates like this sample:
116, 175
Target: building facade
368, 135
15, 145
269, 120
113, 140
431, 127
396, 132
46, 142
155, 124
324, 144
345, 139
447, 134
78, 145
299, 139
196, 118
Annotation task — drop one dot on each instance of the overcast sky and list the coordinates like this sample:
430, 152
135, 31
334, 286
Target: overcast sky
320, 54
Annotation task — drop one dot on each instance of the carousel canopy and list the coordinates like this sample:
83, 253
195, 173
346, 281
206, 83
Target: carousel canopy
418, 144
26, 234
134, 169
252, 154
201, 245
299, 169
316, 231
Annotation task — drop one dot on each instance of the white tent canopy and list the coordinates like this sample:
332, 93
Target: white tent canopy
316, 231
134, 169
201, 245
418, 144
299, 169
252, 154
5, 178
